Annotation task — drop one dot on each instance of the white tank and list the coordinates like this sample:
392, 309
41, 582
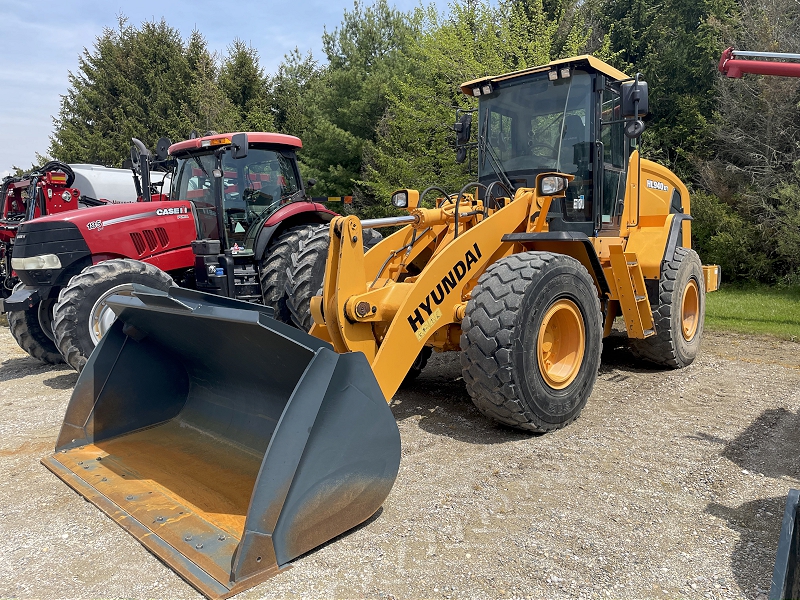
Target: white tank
114, 185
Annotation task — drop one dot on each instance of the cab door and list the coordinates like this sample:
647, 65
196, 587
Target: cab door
613, 155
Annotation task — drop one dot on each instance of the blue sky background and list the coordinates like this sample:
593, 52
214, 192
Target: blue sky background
41, 43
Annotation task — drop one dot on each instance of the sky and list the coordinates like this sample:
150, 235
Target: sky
41, 43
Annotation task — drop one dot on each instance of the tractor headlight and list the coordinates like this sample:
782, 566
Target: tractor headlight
34, 263
400, 199
552, 184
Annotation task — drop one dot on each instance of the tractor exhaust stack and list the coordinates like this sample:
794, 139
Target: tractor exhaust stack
223, 469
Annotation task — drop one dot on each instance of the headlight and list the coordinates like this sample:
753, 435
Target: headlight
552, 184
400, 199
33, 263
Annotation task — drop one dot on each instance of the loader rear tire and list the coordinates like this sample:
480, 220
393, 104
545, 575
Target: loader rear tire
81, 316
419, 365
29, 332
273, 270
307, 271
531, 340
678, 313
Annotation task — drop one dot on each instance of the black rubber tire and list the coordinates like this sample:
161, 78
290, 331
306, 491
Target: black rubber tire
72, 312
419, 365
273, 270
28, 333
307, 271
500, 334
306, 274
668, 348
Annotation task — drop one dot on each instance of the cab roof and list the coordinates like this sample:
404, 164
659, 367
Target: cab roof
254, 137
584, 60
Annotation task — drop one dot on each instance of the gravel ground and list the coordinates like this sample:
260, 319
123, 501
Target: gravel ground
670, 484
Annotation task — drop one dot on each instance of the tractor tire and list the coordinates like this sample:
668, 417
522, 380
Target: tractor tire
29, 332
81, 316
678, 313
273, 270
307, 271
531, 341
419, 364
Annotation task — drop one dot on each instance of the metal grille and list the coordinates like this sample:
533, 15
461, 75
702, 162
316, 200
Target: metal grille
151, 239
163, 238
138, 242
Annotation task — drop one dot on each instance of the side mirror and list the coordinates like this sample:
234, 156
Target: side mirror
311, 182
634, 92
239, 146
162, 148
635, 128
463, 129
461, 155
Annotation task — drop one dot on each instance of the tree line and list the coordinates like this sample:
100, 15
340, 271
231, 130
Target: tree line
375, 112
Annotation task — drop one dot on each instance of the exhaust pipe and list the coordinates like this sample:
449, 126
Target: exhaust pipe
226, 442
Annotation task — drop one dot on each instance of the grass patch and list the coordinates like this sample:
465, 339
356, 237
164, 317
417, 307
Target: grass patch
755, 309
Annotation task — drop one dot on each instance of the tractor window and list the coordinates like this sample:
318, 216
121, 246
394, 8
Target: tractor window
194, 181
253, 188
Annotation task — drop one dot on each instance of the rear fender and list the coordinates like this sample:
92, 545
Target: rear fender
291, 215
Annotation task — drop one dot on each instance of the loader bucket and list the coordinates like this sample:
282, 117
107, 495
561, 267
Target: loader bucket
226, 442
786, 575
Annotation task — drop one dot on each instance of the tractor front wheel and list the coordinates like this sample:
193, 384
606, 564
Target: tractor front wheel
32, 330
678, 313
531, 340
82, 315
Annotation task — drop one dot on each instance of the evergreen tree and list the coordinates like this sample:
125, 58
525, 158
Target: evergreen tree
346, 101
415, 143
242, 80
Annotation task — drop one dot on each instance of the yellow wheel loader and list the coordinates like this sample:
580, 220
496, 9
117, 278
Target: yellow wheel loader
229, 443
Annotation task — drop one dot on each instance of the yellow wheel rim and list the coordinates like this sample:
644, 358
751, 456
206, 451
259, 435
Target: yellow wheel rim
561, 344
690, 310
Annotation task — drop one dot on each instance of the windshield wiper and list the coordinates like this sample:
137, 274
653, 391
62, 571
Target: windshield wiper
488, 150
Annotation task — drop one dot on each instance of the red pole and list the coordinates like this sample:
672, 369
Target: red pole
734, 68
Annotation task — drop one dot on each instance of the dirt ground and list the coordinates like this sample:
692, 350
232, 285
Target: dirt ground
670, 484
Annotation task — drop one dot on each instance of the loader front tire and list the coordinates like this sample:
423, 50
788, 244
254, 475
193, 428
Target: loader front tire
29, 332
81, 316
678, 313
531, 341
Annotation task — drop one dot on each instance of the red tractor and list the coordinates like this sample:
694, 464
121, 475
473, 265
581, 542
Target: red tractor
44, 191
237, 210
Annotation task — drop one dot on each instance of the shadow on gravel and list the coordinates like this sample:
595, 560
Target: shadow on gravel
617, 356
770, 445
440, 398
16, 368
65, 381
758, 524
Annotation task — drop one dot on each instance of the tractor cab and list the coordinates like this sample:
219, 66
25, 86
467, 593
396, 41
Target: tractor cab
235, 189
245, 193
566, 117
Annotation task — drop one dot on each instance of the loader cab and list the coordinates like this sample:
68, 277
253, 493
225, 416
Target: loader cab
234, 196
564, 117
